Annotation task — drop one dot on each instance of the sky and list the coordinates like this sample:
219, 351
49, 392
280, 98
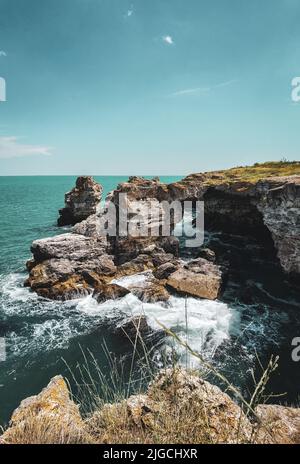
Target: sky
160, 87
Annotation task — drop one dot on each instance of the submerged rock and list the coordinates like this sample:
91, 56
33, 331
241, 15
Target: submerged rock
81, 202
134, 327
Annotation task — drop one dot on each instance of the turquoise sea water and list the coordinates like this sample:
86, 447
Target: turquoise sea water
43, 336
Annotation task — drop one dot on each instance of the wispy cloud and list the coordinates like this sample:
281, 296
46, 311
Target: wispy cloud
201, 90
196, 90
10, 147
168, 39
130, 11
3, 53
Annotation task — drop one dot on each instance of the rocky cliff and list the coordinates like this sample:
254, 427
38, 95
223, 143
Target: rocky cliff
256, 201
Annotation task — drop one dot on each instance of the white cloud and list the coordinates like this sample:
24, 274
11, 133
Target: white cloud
10, 147
129, 12
168, 39
3, 53
202, 90
195, 90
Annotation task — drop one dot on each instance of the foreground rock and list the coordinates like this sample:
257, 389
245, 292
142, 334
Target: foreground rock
49, 417
178, 407
81, 202
199, 278
284, 422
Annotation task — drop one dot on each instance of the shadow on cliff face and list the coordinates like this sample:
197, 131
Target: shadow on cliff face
266, 298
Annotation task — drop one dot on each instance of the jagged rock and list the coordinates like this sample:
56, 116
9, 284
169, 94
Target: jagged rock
280, 206
161, 257
106, 292
148, 289
241, 200
165, 270
49, 417
81, 202
199, 278
152, 292
140, 264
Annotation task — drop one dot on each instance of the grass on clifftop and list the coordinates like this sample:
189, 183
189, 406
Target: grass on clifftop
254, 173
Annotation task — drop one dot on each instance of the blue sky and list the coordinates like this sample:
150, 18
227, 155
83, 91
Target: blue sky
147, 87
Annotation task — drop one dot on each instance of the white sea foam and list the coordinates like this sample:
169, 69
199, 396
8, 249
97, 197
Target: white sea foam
11, 288
46, 325
209, 323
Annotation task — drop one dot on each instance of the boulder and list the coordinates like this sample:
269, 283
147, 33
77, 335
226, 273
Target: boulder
104, 292
62, 264
152, 292
68, 246
199, 278
81, 202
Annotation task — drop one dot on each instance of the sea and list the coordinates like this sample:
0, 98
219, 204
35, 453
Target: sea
44, 338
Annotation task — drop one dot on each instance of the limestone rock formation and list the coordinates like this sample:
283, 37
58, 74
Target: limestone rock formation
245, 201
81, 202
60, 265
280, 207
